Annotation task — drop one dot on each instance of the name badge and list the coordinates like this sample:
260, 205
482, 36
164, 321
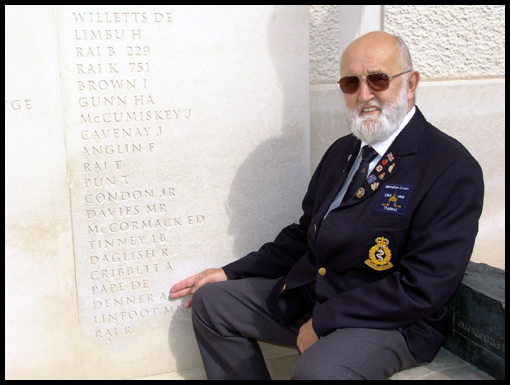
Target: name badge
393, 199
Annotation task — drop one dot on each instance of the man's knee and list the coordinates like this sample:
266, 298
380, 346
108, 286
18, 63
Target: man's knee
206, 300
198, 298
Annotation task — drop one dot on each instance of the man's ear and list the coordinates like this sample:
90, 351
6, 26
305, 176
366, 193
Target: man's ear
413, 78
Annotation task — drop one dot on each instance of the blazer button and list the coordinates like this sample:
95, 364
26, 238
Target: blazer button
284, 286
322, 271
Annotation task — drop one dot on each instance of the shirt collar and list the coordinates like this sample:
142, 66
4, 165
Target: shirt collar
383, 146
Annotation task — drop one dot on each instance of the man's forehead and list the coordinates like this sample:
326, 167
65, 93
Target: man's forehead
361, 59
362, 68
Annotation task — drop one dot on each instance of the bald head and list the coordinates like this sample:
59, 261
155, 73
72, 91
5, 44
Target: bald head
378, 44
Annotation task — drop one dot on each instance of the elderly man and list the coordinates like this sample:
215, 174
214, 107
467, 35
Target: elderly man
361, 285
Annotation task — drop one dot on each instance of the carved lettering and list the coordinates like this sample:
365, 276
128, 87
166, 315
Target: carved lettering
478, 335
18, 104
124, 223
135, 116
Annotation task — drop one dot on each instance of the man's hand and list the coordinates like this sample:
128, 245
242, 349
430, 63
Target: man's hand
191, 284
306, 337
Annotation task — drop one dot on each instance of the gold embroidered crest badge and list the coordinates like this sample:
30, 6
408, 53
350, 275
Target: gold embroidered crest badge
380, 255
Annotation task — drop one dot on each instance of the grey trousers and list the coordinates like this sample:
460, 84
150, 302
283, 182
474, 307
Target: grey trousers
229, 317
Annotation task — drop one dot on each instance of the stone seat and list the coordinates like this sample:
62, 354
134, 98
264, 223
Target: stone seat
446, 366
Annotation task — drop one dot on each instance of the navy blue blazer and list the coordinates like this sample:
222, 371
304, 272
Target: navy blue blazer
390, 258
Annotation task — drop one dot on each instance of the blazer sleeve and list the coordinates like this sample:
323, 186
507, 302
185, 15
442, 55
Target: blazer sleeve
275, 259
440, 243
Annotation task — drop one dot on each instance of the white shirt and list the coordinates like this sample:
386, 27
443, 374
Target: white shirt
380, 148
383, 146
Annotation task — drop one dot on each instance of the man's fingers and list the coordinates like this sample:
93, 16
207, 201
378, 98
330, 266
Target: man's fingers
181, 293
193, 283
184, 287
184, 284
201, 282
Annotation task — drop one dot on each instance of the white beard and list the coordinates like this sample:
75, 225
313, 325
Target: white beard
372, 130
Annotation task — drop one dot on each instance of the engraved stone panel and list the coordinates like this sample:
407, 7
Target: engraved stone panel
476, 319
186, 133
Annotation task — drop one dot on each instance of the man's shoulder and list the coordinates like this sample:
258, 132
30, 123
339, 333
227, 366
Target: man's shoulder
439, 143
444, 142
424, 140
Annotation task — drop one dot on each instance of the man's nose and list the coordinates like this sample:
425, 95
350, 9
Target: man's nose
365, 93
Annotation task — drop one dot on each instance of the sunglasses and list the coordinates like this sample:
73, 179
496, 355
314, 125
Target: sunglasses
377, 82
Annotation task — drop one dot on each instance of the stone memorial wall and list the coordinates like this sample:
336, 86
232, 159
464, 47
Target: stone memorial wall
143, 145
